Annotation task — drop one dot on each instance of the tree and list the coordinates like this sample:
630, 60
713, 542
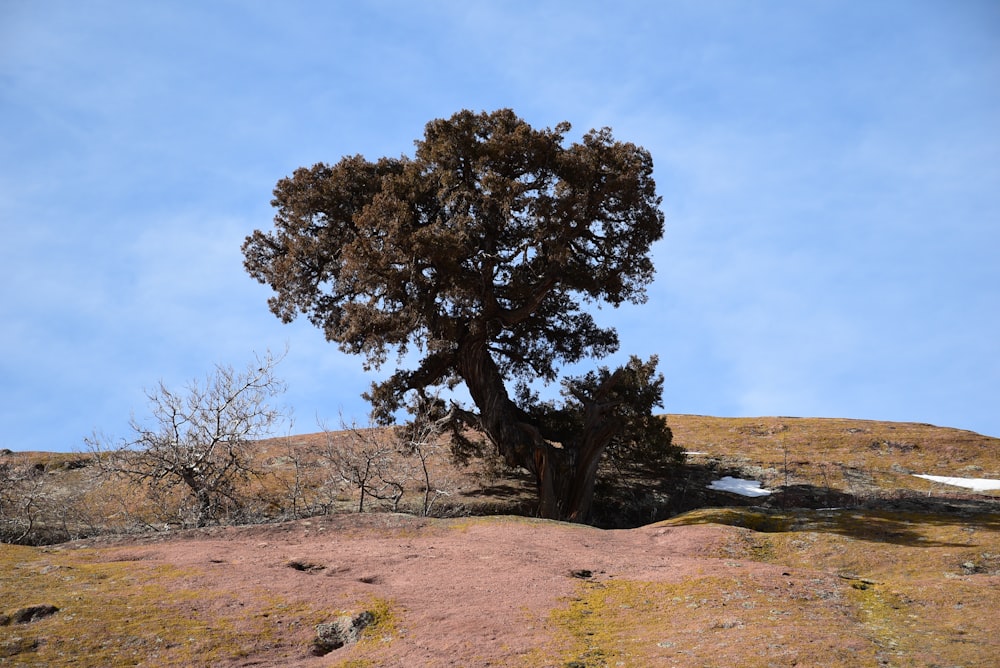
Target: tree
421, 438
23, 497
368, 462
201, 440
477, 253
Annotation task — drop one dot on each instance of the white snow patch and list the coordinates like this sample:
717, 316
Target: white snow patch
739, 486
694, 452
976, 484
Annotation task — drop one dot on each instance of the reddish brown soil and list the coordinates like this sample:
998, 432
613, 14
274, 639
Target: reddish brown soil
915, 585
506, 591
466, 592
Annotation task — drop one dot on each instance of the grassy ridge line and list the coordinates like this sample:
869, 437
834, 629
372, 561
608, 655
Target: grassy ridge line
817, 462
840, 453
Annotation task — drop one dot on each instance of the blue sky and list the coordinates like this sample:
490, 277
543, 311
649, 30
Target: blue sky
830, 174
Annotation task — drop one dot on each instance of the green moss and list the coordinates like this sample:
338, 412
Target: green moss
702, 620
109, 613
758, 520
595, 622
383, 629
879, 611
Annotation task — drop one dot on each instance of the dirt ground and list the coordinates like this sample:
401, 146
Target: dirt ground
467, 593
504, 591
902, 573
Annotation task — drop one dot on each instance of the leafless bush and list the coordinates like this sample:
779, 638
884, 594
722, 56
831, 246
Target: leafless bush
196, 459
299, 481
296, 487
369, 461
388, 463
23, 498
421, 439
36, 504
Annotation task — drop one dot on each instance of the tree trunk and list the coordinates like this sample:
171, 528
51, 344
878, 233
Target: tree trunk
506, 425
580, 490
204, 507
202, 496
565, 475
599, 427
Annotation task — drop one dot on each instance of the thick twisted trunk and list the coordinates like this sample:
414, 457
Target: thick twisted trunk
565, 473
505, 424
580, 490
600, 424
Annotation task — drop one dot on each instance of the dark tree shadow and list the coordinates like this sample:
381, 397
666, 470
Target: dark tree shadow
633, 498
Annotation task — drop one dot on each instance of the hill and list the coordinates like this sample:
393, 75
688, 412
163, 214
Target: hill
805, 462
852, 560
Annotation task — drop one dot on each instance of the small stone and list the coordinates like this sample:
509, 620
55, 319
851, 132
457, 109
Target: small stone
344, 631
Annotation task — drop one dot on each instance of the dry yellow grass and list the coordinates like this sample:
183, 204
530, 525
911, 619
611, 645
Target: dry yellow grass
816, 462
858, 456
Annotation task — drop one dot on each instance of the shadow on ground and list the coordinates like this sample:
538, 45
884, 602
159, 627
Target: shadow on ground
631, 499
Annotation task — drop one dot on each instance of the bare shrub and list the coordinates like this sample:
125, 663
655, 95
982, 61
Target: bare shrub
23, 498
421, 439
195, 461
369, 461
44, 502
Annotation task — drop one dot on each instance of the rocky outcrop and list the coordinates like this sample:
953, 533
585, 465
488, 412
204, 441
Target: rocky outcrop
344, 631
29, 614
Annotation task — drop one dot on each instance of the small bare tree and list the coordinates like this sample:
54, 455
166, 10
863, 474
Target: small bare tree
300, 484
40, 503
22, 498
367, 459
422, 438
200, 441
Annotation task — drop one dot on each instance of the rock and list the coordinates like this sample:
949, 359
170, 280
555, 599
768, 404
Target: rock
344, 631
971, 568
15, 646
33, 613
306, 566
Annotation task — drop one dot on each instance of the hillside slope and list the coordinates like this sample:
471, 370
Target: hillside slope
829, 588
851, 561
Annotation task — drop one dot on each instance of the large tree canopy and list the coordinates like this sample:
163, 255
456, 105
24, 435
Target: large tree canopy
477, 253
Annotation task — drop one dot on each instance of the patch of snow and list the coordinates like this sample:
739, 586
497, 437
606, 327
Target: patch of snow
694, 452
976, 484
739, 486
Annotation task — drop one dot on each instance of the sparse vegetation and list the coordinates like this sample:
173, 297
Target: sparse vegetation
371, 464
196, 460
809, 463
116, 611
701, 622
900, 571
